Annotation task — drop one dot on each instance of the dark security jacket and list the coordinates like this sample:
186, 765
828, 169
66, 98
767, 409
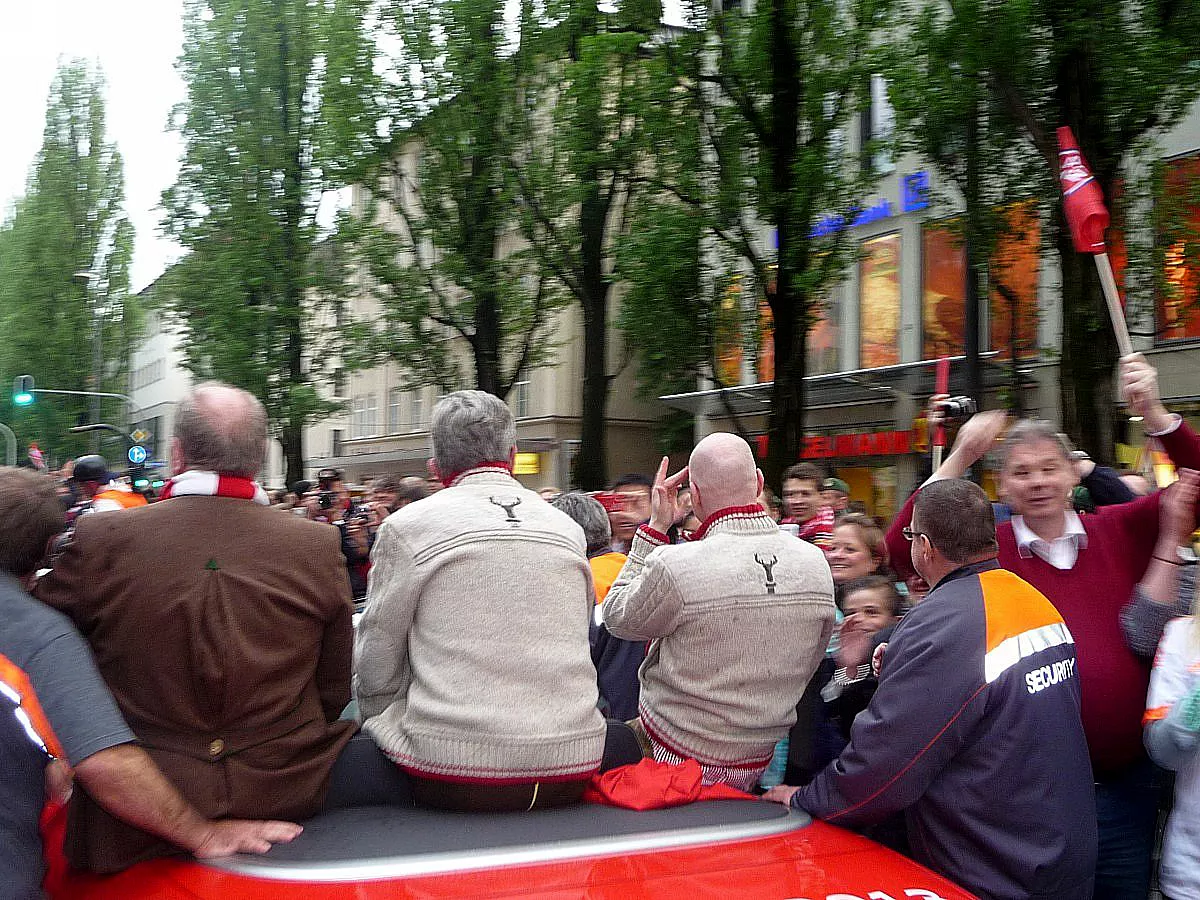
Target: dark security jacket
975, 733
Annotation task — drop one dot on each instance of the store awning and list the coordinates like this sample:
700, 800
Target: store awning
883, 384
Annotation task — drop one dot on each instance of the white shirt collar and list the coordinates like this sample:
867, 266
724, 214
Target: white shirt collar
1060, 552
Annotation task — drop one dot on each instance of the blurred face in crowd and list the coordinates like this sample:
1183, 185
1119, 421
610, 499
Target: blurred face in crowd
635, 509
917, 589
1037, 479
873, 607
848, 555
801, 499
835, 499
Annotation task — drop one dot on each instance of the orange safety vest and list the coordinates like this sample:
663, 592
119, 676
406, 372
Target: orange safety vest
127, 499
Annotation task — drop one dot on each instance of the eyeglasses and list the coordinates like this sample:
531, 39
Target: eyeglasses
911, 535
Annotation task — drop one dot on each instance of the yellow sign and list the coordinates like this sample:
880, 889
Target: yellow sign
528, 464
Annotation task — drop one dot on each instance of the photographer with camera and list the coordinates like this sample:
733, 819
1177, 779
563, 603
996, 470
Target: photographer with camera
331, 503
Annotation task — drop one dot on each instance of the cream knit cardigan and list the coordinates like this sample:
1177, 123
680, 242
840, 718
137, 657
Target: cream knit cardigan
738, 620
471, 659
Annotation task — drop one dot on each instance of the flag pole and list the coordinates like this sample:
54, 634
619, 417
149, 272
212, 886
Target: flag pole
1113, 300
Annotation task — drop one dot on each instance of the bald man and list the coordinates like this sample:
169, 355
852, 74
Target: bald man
222, 628
718, 684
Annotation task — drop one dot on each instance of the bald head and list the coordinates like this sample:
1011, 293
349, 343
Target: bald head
723, 474
220, 428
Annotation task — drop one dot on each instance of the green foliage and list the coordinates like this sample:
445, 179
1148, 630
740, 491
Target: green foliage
281, 102
750, 134
70, 220
459, 300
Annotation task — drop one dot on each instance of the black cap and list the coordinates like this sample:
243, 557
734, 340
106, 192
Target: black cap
92, 467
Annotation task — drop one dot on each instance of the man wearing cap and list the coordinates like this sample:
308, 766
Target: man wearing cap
100, 490
835, 494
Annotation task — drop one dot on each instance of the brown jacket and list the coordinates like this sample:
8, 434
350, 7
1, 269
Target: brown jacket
223, 629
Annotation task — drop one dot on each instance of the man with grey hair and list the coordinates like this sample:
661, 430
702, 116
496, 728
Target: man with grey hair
222, 629
719, 685
471, 660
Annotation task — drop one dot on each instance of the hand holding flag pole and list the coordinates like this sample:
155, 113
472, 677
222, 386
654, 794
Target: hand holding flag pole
1087, 217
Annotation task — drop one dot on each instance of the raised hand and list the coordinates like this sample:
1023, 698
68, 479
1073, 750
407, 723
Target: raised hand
1139, 387
1177, 514
664, 497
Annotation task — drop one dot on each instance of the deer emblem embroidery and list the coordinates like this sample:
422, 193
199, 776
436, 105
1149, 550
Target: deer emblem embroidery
768, 567
508, 508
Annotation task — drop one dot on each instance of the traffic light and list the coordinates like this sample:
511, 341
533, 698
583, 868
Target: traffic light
23, 390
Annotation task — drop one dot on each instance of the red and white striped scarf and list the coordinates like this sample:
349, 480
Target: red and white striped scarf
193, 483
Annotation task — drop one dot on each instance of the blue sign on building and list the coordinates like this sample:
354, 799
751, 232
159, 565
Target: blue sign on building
916, 192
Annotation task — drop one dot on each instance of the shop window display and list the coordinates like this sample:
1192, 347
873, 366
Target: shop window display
879, 302
943, 291
1178, 231
1013, 285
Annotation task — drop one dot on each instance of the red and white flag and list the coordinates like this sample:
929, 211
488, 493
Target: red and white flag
1083, 201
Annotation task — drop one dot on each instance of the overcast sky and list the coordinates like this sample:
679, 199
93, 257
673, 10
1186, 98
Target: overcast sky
136, 44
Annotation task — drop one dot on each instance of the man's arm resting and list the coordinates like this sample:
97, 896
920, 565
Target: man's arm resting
643, 603
125, 781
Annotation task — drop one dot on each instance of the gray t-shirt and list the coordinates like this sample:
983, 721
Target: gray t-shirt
51, 696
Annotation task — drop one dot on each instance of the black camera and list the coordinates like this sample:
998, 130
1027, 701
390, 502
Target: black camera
325, 499
954, 408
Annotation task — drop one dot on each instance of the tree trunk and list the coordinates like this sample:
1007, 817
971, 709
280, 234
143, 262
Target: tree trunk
291, 436
1088, 352
788, 309
591, 463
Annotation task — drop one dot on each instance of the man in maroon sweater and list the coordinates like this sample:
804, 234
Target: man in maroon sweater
1087, 568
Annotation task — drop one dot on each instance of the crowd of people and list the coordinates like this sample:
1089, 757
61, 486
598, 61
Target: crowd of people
970, 683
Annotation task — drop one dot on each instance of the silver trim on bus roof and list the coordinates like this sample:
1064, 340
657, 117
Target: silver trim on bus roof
401, 866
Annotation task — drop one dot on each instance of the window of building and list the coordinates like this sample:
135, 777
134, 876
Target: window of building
1177, 215
371, 416
358, 414
416, 416
879, 302
943, 290
823, 338
877, 127
521, 396
822, 356
1013, 284
395, 410
727, 337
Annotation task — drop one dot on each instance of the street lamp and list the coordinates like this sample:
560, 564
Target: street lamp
89, 278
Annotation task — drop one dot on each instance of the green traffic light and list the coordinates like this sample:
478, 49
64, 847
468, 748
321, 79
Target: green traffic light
22, 399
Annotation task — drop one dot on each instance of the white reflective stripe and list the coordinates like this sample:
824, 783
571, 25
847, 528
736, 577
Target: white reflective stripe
22, 716
1016, 648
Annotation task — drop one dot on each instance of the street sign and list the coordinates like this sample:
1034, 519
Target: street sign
140, 436
137, 454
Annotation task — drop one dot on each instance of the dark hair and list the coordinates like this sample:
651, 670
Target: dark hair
956, 516
875, 583
30, 514
632, 479
803, 472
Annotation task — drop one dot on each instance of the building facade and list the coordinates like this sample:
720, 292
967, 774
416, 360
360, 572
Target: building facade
900, 308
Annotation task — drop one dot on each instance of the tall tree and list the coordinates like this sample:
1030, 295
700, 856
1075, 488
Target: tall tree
71, 220
1118, 74
585, 85
773, 90
280, 106
461, 301
949, 115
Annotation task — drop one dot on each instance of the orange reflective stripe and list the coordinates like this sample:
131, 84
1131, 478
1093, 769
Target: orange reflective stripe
15, 677
1155, 715
127, 499
1013, 607
605, 570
